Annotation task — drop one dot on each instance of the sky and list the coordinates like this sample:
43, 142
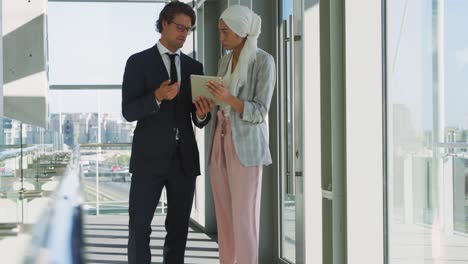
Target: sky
410, 71
90, 42
456, 74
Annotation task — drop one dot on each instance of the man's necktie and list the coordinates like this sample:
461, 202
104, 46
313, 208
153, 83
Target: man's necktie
173, 69
173, 76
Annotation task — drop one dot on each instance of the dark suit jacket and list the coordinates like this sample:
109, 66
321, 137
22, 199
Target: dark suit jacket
154, 138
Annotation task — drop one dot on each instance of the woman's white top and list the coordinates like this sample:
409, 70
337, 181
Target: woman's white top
227, 80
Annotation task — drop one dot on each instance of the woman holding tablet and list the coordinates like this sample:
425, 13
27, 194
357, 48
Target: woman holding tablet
239, 146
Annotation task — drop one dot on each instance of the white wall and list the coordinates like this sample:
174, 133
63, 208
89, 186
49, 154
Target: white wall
364, 124
25, 61
311, 126
1, 67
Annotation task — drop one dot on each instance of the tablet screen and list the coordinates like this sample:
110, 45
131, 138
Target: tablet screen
199, 88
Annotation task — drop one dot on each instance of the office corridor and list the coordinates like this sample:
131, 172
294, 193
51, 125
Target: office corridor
106, 241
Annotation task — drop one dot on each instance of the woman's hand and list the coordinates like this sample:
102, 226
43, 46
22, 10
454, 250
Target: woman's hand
219, 91
203, 106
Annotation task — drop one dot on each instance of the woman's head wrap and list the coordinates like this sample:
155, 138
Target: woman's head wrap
246, 24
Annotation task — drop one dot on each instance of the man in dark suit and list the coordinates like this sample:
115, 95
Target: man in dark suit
156, 92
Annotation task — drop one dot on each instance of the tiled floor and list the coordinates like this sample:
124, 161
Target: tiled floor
414, 244
106, 241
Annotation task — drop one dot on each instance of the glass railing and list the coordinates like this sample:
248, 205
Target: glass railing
34, 164
416, 170
106, 179
58, 235
460, 191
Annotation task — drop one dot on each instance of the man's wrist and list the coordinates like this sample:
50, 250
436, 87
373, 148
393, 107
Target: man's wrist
158, 97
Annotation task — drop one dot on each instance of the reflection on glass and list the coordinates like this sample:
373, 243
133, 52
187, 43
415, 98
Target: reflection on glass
427, 131
288, 192
289, 198
460, 193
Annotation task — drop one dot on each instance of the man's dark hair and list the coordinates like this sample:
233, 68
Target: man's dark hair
171, 10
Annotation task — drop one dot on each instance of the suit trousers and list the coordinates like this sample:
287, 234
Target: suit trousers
145, 192
237, 192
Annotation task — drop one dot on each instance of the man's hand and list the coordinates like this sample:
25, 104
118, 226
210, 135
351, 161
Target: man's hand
166, 91
203, 106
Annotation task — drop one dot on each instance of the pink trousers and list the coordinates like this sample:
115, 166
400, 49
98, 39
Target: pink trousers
237, 192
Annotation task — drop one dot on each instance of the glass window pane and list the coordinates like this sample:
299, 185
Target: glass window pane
427, 46
80, 111
87, 117
89, 43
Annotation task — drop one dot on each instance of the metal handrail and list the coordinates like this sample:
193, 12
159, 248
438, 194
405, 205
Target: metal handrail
451, 145
108, 145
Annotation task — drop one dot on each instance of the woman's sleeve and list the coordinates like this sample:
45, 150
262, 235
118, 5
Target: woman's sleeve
256, 110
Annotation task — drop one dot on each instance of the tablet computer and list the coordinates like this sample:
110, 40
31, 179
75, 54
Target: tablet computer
199, 88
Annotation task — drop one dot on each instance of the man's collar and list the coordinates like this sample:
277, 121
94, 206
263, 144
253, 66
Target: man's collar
164, 50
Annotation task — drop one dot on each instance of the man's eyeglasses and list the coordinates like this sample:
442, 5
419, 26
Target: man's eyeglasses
182, 28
